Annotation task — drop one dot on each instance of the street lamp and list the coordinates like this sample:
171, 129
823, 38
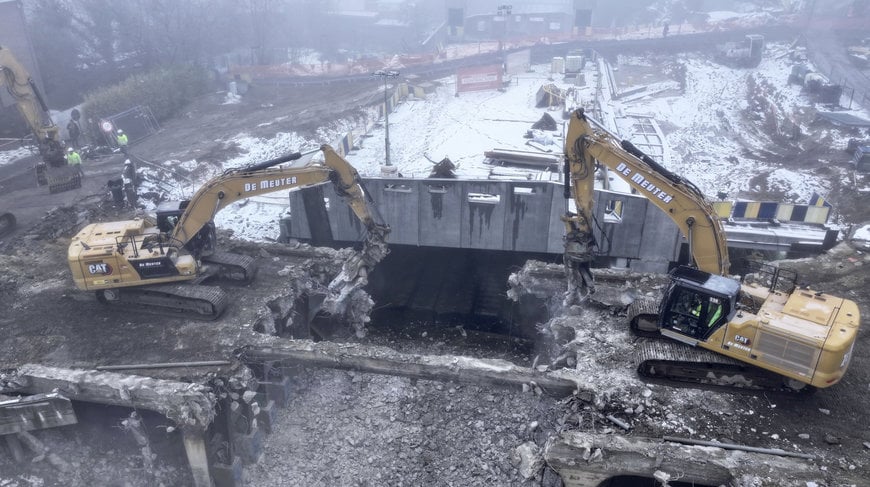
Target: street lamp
385, 75
505, 11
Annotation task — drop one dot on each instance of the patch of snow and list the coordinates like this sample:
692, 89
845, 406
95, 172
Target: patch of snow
9, 156
705, 138
231, 99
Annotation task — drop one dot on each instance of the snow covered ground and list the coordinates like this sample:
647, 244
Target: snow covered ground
704, 139
12, 155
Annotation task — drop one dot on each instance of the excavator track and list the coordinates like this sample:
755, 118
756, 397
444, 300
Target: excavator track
181, 300
63, 179
678, 364
232, 267
643, 317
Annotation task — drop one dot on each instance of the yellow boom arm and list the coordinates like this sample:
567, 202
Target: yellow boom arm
263, 178
681, 200
32, 107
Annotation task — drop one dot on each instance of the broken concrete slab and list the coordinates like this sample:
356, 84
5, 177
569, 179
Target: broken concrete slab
185, 403
382, 360
583, 459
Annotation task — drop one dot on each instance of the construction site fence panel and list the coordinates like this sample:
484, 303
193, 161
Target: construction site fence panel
137, 122
784, 212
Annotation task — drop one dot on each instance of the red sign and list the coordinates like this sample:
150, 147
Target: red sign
478, 78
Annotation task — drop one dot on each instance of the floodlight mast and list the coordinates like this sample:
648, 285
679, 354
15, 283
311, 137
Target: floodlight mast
385, 74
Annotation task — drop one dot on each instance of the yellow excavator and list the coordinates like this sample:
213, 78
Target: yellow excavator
763, 335
52, 169
151, 263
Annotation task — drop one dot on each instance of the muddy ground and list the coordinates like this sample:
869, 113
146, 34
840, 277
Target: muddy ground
345, 428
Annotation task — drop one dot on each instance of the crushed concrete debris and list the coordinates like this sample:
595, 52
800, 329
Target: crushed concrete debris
528, 460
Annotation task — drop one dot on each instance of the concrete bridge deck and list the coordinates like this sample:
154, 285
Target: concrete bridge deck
518, 217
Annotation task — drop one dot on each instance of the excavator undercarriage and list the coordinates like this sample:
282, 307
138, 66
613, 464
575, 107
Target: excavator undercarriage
664, 360
179, 300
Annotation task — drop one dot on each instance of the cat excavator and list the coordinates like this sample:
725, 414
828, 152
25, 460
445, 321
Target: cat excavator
762, 332
154, 263
52, 168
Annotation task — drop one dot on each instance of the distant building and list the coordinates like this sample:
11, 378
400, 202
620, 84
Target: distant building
480, 20
399, 25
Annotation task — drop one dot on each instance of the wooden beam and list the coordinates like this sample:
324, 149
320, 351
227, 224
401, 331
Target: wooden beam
382, 360
583, 459
185, 403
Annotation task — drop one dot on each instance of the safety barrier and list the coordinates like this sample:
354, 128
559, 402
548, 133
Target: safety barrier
816, 213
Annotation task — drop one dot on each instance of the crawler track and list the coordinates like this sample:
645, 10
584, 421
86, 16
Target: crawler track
180, 300
643, 317
232, 267
679, 364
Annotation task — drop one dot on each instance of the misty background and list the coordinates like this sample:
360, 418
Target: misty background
80, 46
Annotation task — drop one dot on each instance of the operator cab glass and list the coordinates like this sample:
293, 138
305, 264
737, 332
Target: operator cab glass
697, 303
168, 213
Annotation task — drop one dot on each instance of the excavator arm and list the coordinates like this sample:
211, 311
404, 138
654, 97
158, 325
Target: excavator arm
265, 178
681, 200
32, 107
262, 178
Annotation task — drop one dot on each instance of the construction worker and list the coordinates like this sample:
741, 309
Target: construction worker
116, 187
130, 191
121, 137
74, 159
130, 173
74, 132
696, 308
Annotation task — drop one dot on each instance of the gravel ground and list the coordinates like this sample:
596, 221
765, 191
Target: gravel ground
346, 428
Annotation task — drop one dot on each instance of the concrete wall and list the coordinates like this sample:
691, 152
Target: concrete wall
483, 214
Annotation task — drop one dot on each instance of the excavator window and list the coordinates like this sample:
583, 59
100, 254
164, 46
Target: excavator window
694, 313
613, 211
166, 223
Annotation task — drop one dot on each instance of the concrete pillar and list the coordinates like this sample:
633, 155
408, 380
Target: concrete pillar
194, 446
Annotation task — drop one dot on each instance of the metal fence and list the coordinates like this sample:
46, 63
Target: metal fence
137, 122
855, 83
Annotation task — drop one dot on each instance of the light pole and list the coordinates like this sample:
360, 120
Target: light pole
505, 11
385, 75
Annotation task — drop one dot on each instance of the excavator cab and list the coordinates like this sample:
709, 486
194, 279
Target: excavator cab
696, 304
168, 215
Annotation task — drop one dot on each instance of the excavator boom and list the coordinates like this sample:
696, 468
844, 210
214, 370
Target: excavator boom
263, 178
681, 200
52, 170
